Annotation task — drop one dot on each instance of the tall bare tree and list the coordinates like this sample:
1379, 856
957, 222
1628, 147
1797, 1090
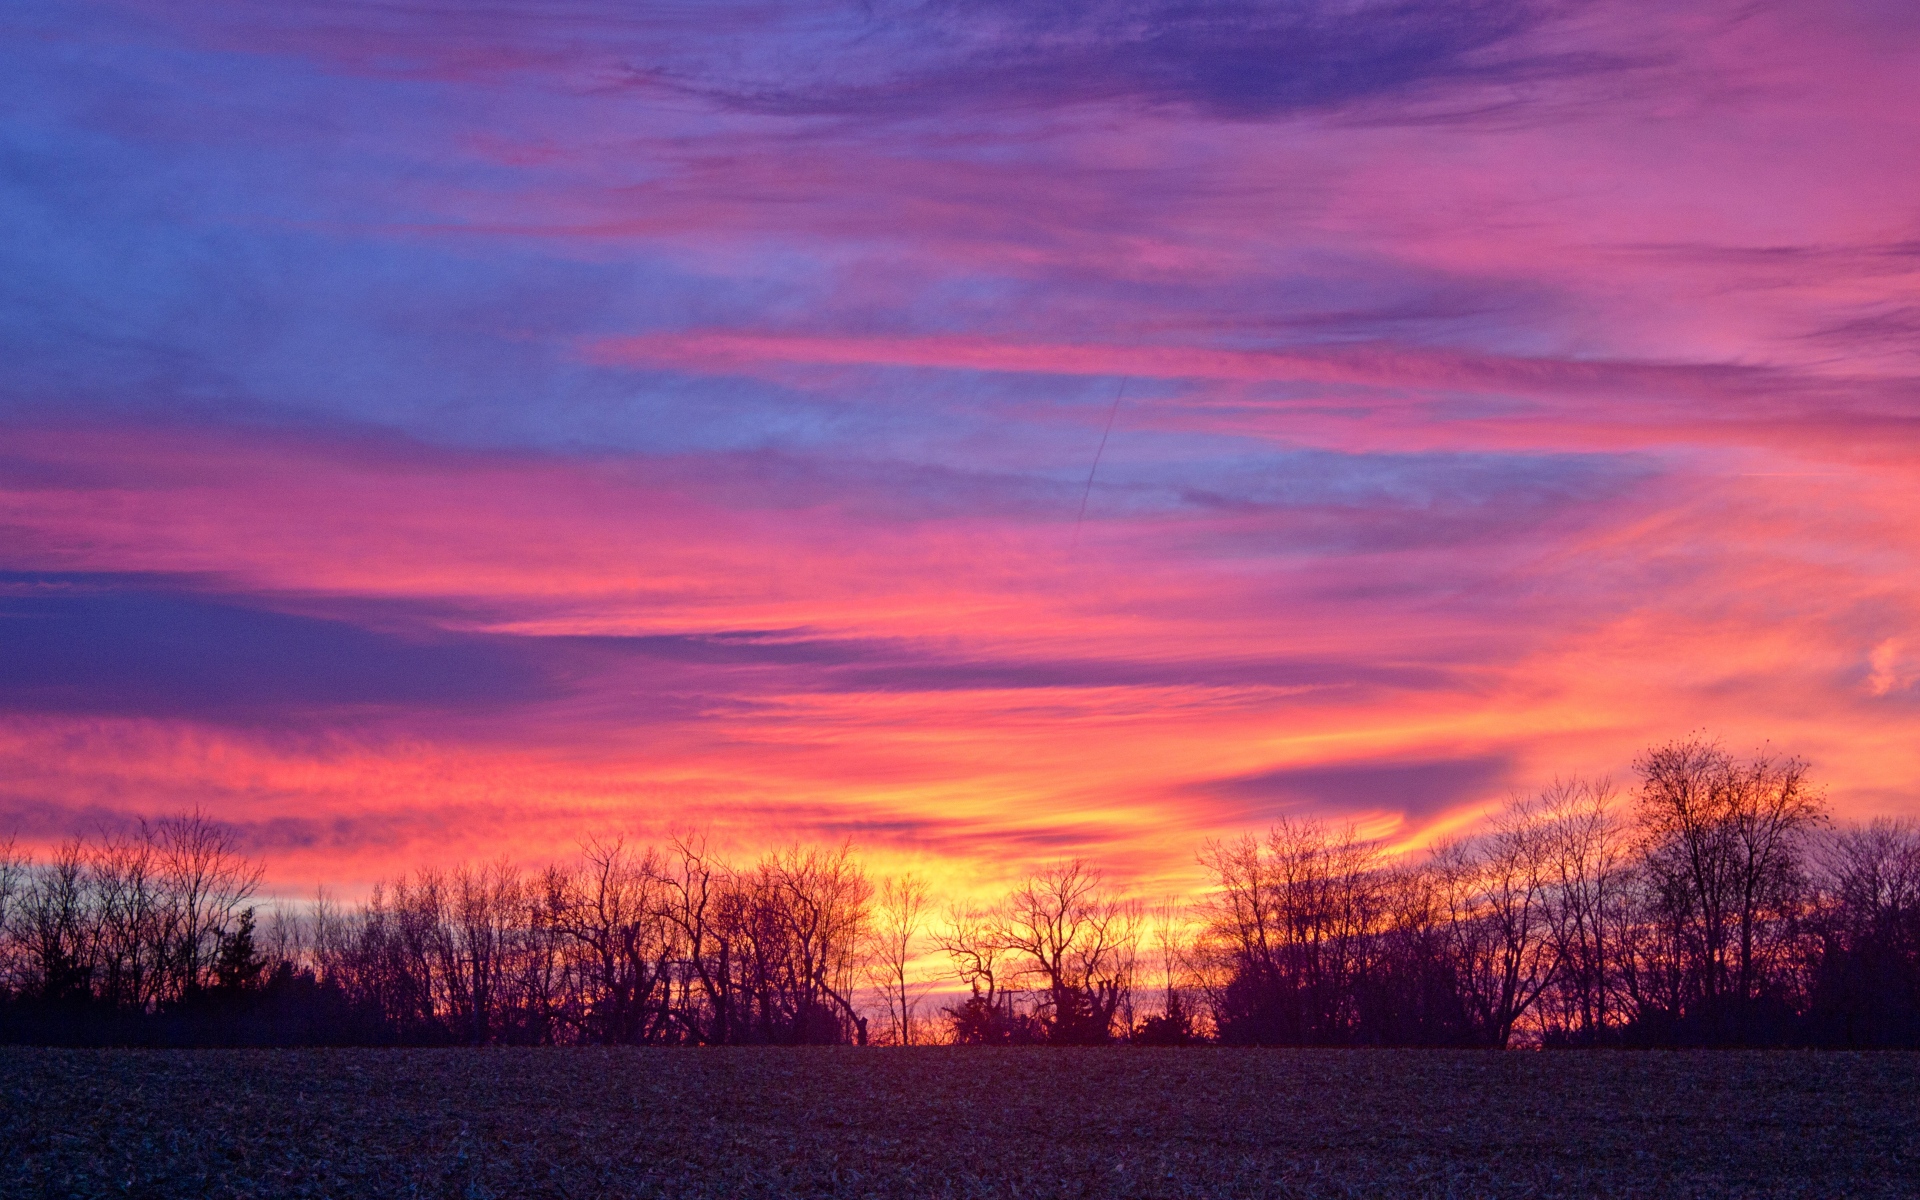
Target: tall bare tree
15, 874
973, 941
486, 915
1173, 1024
1592, 905
133, 918
57, 928
807, 927
696, 902
612, 907
1725, 840
899, 918
1495, 889
1080, 939
208, 881
1865, 978
1295, 918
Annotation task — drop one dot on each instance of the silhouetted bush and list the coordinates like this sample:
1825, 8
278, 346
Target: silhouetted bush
977, 1021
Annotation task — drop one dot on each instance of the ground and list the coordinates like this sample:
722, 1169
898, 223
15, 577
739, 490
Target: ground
956, 1122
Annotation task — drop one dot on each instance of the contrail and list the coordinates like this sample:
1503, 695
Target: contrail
1114, 412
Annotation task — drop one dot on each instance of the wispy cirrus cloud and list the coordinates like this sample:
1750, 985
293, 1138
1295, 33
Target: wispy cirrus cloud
1418, 790
1226, 58
137, 645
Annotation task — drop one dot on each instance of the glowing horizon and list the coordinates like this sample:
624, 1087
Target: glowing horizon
433, 434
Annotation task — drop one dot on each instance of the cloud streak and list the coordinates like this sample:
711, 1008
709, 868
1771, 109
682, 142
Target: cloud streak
133, 647
1225, 58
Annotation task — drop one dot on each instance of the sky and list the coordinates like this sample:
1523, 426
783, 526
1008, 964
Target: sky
987, 432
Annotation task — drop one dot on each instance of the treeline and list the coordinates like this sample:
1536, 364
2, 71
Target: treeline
1717, 907
1713, 904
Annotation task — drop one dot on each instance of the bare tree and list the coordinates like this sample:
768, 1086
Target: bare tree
58, 928
399, 937
1589, 867
133, 919
207, 882
288, 937
1872, 872
1173, 1025
974, 941
805, 924
1864, 989
1294, 919
15, 875
695, 902
1724, 839
1169, 950
1495, 890
486, 915
898, 919
1079, 938
613, 909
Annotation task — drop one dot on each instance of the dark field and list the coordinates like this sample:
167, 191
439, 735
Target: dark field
1028, 1123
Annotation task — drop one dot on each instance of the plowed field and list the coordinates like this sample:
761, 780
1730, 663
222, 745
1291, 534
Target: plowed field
944, 1122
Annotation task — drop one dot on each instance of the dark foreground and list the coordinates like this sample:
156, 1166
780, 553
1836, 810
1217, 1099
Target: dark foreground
1027, 1123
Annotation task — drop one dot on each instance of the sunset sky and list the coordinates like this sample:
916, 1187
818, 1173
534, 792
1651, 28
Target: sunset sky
436, 430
